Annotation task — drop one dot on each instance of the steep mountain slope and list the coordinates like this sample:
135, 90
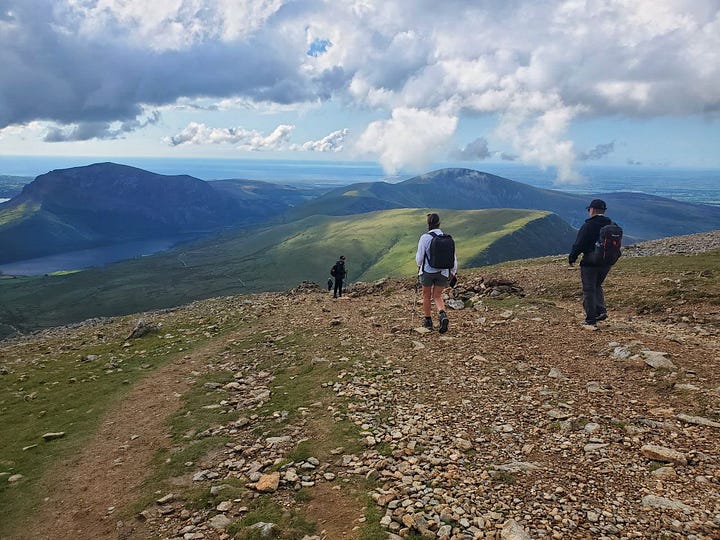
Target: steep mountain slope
275, 258
642, 216
107, 203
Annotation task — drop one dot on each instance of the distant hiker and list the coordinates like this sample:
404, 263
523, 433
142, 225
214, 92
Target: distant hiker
599, 241
339, 272
436, 262
330, 284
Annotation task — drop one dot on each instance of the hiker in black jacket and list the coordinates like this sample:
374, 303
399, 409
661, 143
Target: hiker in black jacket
339, 272
592, 275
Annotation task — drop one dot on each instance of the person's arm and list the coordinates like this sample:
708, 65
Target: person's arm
420, 255
580, 244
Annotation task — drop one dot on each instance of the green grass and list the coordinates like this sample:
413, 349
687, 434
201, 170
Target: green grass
290, 524
377, 244
55, 391
17, 213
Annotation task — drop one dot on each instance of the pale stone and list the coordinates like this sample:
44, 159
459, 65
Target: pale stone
661, 453
699, 420
653, 501
220, 522
268, 482
512, 530
657, 360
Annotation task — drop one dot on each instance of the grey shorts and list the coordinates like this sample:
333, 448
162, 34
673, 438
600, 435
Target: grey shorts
428, 279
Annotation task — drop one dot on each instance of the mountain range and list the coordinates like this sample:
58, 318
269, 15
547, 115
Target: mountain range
643, 216
265, 236
106, 203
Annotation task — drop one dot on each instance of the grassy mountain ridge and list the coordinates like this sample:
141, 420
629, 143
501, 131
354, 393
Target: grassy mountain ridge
270, 258
642, 216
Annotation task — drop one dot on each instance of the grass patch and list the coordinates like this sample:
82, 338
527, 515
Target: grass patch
289, 524
67, 385
503, 477
371, 528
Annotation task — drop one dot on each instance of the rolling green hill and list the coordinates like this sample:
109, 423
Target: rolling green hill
378, 244
642, 216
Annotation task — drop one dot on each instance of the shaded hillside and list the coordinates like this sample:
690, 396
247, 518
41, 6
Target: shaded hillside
258, 201
642, 216
273, 258
107, 203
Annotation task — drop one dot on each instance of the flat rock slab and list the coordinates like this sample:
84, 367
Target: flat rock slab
53, 436
698, 420
663, 454
657, 360
653, 501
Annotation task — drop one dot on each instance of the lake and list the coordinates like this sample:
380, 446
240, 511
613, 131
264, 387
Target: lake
86, 258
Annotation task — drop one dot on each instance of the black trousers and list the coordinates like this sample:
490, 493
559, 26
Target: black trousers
338, 287
593, 294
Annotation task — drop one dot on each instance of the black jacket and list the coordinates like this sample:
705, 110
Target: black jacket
588, 234
340, 270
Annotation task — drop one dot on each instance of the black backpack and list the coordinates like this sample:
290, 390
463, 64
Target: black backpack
441, 253
338, 270
607, 248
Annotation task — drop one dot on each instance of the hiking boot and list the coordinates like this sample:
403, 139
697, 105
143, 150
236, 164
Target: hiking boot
589, 326
601, 317
428, 323
444, 322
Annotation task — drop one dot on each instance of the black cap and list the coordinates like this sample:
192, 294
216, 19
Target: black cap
598, 204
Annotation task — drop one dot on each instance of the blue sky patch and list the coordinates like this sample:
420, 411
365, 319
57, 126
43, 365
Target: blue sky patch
318, 47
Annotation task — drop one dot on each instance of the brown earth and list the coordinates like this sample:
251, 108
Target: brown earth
490, 370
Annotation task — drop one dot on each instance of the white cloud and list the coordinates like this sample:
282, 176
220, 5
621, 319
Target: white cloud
535, 66
198, 133
411, 139
332, 142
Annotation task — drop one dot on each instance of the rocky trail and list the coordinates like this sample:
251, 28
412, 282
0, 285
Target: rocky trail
515, 424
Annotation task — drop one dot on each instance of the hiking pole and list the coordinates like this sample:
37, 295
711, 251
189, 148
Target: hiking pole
414, 306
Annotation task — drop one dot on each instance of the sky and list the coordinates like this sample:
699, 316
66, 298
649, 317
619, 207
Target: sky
405, 83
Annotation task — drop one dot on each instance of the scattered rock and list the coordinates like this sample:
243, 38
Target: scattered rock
698, 420
141, 329
53, 436
268, 482
657, 360
512, 530
663, 454
653, 501
220, 522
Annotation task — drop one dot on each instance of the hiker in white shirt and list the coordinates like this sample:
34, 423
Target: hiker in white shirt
433, 280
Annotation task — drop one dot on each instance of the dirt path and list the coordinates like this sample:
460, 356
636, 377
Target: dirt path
489, 380
85, 491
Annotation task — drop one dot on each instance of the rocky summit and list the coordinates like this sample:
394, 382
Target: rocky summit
296, 415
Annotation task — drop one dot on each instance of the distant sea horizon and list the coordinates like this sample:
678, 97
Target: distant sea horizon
696, 185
